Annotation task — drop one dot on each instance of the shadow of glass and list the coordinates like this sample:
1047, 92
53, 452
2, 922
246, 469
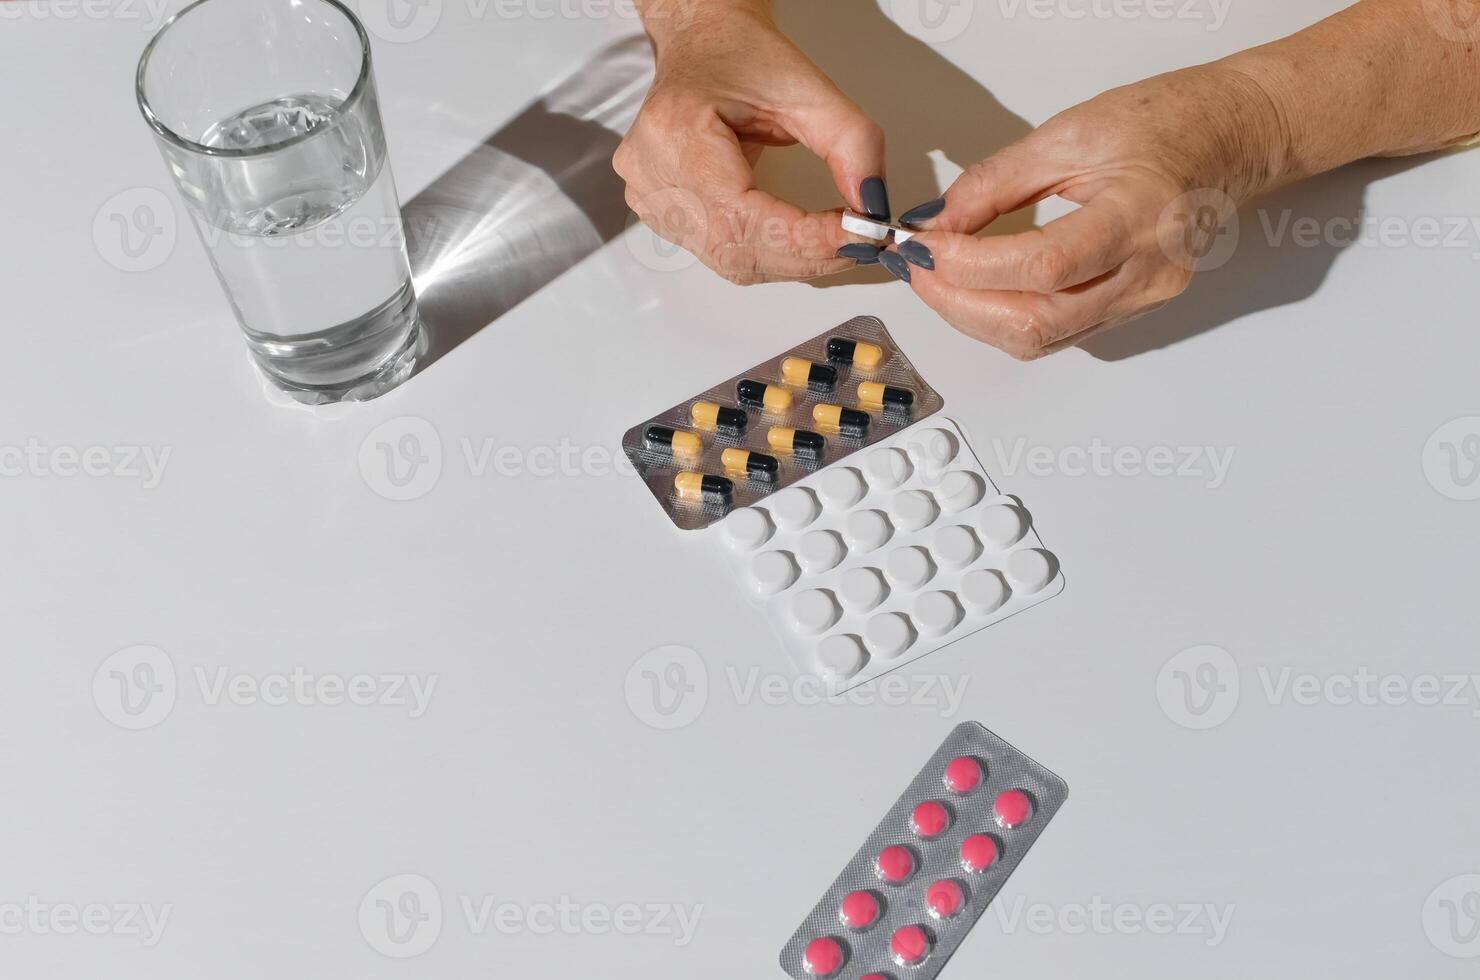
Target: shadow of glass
1273, 264
527, 204
925, 104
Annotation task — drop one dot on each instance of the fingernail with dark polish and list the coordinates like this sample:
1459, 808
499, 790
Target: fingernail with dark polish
898, 267
862, 251
917, 253
875, 198
923, 212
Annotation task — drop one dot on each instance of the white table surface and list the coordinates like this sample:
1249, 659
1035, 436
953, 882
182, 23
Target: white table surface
1329, 836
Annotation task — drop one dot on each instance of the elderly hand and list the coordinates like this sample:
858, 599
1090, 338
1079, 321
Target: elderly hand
729, 84
1155, 167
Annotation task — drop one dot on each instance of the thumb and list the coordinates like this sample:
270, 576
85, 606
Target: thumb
1014, 177
832, 126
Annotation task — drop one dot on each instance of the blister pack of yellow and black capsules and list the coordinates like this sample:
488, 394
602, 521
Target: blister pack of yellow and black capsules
778, 422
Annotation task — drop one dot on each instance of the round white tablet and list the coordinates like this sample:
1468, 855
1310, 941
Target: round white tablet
839, 657
820, 551
794, 508
984, 590
935, 612
746, 529
1029, 569
840, 488
861, 589
888, 634
865, 530
912, 509
954, 546
958, 490
931, 450
812, 611
772, 571
1002, 525
908, 568
887, 468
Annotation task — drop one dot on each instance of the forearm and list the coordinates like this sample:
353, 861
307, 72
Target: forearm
664, 18
1378, 79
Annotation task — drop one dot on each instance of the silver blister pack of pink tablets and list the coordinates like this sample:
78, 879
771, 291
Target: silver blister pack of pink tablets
864, 567
779, 422
926, 874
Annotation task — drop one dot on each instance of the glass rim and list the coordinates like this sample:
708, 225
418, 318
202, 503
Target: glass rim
169, 135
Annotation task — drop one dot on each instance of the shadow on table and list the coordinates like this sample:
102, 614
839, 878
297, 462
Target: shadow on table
1275, 262
527, 204
924, 103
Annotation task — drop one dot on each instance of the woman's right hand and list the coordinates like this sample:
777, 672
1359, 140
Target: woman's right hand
728, 85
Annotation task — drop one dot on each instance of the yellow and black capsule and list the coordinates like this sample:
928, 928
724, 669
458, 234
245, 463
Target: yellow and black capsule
703, 487
876, 395
709, 417
835, 418
743, 462
797, 441
769, 397
678, 442
856, 352
802, 373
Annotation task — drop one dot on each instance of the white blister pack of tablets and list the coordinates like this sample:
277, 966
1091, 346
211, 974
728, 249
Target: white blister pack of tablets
866, 566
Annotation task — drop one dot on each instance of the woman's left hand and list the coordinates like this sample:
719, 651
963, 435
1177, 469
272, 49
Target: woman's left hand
1156, 168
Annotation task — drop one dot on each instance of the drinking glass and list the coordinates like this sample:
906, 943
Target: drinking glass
267, 117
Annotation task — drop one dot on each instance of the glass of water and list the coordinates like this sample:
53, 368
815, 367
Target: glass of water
267, 116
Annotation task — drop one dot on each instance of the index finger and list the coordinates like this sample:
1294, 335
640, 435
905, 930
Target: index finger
1083, 245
